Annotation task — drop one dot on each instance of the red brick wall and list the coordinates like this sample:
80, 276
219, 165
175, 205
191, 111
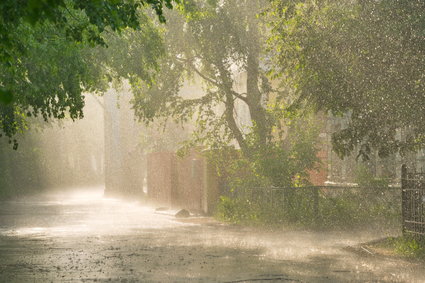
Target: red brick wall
190, 171
319, 176
186, 182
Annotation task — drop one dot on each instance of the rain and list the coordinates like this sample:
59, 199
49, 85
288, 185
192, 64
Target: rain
212, 141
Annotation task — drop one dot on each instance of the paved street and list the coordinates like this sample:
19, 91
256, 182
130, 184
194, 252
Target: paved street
84, 237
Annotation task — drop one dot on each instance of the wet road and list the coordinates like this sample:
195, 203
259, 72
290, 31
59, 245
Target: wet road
82, 237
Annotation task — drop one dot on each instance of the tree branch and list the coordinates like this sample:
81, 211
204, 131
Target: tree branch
199, 72
210, 80
240, 96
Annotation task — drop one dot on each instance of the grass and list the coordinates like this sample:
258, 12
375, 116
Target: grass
404, 246
337, 210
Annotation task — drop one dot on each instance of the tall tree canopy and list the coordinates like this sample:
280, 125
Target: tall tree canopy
365, 59
213, 41
45, 61
222, 44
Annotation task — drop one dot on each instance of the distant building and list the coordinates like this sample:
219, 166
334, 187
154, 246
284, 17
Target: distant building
346, 171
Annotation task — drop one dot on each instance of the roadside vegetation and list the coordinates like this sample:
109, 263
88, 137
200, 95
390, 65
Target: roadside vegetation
335, 208
404, 246
407, 246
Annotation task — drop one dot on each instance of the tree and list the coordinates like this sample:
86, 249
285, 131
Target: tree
208, 40
66, 14
364, 59
45, 61
213, 42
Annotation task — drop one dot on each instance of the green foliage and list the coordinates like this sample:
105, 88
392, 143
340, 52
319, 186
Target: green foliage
296, 207
285, 161
407, 246
98, 16
46, 80
208, 42
220, 45
364, 58
270, 186
248, 180
133, 54
6, 96
237, 211
365, 178
45, 58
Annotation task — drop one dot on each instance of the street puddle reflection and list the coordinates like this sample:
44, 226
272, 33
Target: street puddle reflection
79, 213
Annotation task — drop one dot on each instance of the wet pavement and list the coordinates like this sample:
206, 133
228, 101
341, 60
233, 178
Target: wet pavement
83, 237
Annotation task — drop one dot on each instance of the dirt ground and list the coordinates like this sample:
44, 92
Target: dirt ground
85, 238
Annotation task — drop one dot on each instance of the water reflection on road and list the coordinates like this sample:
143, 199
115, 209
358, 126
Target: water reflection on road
77, 213
85, 237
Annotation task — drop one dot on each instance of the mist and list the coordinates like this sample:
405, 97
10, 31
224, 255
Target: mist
212, 141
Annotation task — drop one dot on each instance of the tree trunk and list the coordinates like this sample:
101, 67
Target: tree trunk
229, 103
254, 96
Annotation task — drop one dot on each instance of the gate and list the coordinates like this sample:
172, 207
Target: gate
413, 203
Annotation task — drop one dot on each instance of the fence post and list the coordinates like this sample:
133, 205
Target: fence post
403, 197
316, 204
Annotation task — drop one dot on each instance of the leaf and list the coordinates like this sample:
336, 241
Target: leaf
6, 96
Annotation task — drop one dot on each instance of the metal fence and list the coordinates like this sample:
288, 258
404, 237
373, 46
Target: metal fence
413, 203
327, 205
